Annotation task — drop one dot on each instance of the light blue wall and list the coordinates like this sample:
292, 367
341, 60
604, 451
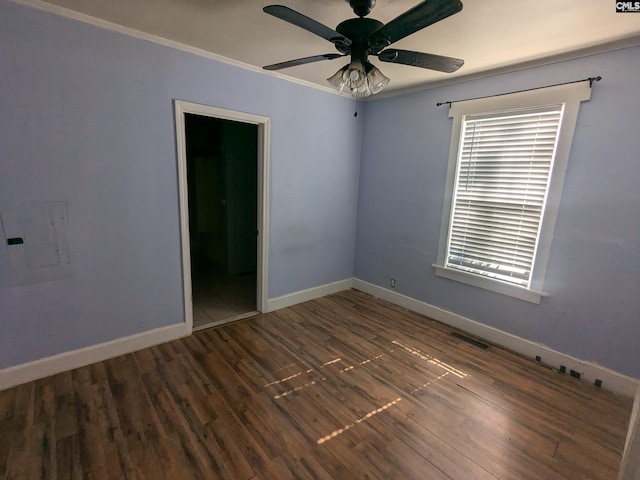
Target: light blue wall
86, 117
593, 312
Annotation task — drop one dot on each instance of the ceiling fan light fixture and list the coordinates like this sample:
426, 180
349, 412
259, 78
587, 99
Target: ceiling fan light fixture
376, 79
352, 79
336, 80
358, 79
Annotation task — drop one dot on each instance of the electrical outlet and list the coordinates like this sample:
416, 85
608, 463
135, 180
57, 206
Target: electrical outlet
393, 283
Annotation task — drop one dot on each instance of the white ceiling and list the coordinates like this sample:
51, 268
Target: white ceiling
490, 35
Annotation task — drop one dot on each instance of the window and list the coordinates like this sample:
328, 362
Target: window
506, 168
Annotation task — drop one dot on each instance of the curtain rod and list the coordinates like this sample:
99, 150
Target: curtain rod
590, 80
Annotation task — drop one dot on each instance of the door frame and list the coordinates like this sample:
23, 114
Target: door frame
181, 108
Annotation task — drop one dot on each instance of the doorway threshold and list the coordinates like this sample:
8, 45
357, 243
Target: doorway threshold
224, 321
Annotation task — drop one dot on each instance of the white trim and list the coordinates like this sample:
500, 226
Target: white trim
52, 365
569, 94
628, 41
589, 371
183, 194
62, 362
528, 295
630, 464
610, 46
132, 32
264, 136
308, 294
264, 152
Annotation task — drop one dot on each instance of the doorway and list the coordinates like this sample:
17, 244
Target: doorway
222, 158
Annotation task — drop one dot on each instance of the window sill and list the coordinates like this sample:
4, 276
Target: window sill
497, 286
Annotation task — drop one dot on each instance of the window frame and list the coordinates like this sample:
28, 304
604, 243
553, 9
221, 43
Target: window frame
570, 95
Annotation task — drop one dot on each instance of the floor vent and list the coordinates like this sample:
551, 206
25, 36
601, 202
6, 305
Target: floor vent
472, 341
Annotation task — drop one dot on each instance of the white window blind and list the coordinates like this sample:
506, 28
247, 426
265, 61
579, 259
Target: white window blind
504, 163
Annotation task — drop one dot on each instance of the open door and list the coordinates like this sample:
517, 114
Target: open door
222, 165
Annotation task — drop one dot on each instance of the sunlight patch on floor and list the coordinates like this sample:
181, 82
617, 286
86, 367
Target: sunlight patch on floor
358, 421
314, 382
448, 369
287, 378
430, 359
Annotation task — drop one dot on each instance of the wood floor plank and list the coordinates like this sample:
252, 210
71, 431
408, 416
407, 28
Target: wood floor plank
68, 460
342, 387
93, 431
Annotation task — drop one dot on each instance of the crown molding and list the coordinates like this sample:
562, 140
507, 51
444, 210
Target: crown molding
132, 32
617, 44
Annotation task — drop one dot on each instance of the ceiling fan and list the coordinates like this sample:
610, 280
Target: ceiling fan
361, 37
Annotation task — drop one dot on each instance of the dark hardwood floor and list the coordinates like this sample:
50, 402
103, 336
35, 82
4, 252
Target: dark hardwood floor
344, 387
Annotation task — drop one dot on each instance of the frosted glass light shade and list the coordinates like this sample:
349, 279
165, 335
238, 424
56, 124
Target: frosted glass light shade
376, 79
358, 79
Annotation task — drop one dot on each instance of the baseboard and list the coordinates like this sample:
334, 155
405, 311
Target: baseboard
589, 371
630, 464
52, 365
43, 367
308, 294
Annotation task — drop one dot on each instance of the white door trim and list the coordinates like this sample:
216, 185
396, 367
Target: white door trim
263, 123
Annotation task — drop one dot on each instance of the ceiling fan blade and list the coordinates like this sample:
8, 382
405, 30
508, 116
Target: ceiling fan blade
306, 23
302, 61
417, 18
422, 60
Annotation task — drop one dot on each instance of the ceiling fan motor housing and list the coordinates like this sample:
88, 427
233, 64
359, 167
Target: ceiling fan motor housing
358, 30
